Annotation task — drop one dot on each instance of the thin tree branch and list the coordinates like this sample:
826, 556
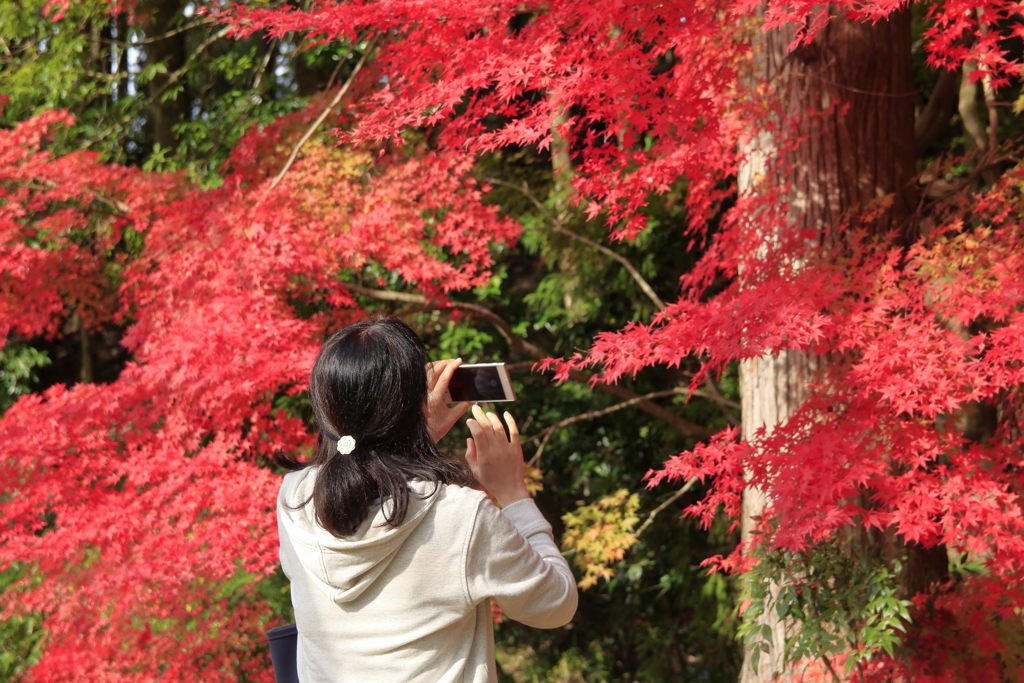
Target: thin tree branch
323, 115
831, 670
101, 76
172, 78
175, 76
674, 497
334, 74
115, 204
162, 36
547, 431
557, 226
989, 93
716, 396
723, 403
981, 168
679, 424
519, 344
535, 460
258, 79
514, 340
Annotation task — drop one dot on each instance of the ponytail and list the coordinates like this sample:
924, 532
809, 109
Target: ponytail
369, 382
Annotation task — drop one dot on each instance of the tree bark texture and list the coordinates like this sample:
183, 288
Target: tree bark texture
771, 388
859, 145
168, 100
857, 149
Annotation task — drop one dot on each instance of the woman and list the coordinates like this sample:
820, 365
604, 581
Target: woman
392, 558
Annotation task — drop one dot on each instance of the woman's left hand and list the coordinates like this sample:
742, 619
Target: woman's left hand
440, 417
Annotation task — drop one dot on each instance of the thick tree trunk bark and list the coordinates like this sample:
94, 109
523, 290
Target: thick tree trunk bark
771, 388
168, 101
858, 149
310, 79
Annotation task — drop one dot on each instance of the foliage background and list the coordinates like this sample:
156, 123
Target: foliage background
656, 615
148, 237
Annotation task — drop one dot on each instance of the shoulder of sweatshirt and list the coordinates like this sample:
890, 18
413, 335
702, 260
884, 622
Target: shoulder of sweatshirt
479, 510
461, 498
301, 482
523, 514
458, 505
297, 486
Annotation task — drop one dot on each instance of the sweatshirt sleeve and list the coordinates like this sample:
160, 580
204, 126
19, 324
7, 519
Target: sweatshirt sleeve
511, 556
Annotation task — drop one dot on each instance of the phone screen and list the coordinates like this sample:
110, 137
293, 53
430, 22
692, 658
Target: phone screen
477, 384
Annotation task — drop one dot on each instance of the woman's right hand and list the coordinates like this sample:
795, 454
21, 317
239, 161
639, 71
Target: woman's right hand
496, 459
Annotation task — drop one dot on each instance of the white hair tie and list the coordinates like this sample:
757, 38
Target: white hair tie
346, 445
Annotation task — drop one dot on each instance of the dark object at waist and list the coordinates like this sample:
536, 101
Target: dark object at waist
283, 642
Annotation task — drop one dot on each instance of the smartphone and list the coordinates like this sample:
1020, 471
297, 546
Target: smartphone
484, 382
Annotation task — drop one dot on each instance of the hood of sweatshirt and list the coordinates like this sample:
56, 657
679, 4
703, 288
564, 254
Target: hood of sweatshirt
343, 568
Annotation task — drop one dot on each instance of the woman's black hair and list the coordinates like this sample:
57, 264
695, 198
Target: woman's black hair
370, 382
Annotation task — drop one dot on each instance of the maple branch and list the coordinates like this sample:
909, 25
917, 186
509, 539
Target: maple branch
557, 226
518, 343
172, 78
547, 431
988, 92
831, 670
258, 79
101, 76
723, 403
673, 498
514, 340
715, 395
175, 76
323, 115
115, 204
334, 74
162, 36
535, 460
985, 163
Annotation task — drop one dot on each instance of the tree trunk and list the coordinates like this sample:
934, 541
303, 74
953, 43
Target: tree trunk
122, 55
771, 388
310, 79
167, 91
857, 149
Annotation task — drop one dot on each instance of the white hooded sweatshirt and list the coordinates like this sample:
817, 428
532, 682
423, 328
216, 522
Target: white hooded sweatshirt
411, 604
